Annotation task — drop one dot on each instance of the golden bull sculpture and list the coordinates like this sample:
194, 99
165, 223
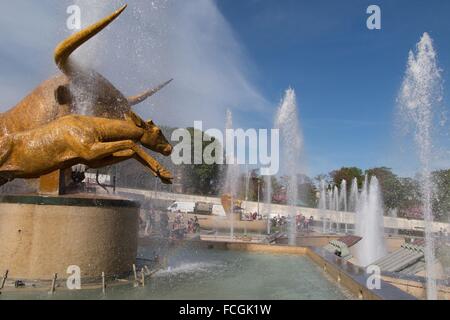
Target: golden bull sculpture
43, 133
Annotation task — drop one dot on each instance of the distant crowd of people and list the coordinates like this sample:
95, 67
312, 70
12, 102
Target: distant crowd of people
182, 224
178, 228
443, 233
251, 216
301, 222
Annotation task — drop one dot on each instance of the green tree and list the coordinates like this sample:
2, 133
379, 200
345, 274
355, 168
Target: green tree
390, 184
252, 192
278, 190
307, 192
323, 177
201, 178
441, 201
409, 197
347, 174
195, 178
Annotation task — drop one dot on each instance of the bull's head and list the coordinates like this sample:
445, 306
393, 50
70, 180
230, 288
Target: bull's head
153, 138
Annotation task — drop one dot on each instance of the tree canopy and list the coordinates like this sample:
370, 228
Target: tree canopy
347, 174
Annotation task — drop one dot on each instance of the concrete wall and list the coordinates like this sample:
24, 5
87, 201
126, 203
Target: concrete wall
334, 216
417, 289
346, 274
37, 241
211, 222
310, 240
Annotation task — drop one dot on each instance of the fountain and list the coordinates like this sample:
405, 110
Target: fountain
330, 203
268, 199
336, 208
329, 199
420, 94
333, 199
99, 232
343, 201
43, 233
287, 122
231, 176
343, 196
353, 195
322, 205
247, 183
393, 213
369, 223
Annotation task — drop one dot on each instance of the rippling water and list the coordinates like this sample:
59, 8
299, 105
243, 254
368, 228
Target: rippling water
215, 274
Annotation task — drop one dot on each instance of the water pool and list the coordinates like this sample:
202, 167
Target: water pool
207, 274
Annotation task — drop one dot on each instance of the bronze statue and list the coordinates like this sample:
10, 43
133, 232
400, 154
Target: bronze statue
74, 139
42, 134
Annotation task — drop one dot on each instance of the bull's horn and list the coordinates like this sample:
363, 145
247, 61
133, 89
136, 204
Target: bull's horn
141, 97
69, 45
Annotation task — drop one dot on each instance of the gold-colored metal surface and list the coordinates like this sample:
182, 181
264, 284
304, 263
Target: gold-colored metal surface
43, 132
75, 139
55, 182
69, 45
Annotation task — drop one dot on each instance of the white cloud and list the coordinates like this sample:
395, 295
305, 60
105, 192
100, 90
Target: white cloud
150, 42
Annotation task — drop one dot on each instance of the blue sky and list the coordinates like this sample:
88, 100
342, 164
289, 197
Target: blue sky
346, 77
243, 55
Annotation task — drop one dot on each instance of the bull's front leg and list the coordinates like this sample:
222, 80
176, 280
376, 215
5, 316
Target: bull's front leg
114, 159
107, 153
155, 166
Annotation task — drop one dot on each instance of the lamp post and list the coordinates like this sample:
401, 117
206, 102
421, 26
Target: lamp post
258, 181
268, 200
247, 179
156, 186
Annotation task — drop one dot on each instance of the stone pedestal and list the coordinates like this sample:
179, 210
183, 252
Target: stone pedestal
44, 235
55, 182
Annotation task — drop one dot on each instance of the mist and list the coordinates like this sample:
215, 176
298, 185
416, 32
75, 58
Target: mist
151, 42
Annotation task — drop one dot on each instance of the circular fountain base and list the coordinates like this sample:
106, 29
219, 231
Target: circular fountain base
44, 235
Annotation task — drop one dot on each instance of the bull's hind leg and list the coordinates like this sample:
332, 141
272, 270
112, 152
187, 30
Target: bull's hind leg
5, 149
7, 169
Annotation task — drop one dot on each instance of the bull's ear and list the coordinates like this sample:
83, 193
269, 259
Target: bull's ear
136, 119
150, 122
62, 95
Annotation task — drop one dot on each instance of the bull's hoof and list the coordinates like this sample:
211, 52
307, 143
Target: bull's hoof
165, 176
166, 181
